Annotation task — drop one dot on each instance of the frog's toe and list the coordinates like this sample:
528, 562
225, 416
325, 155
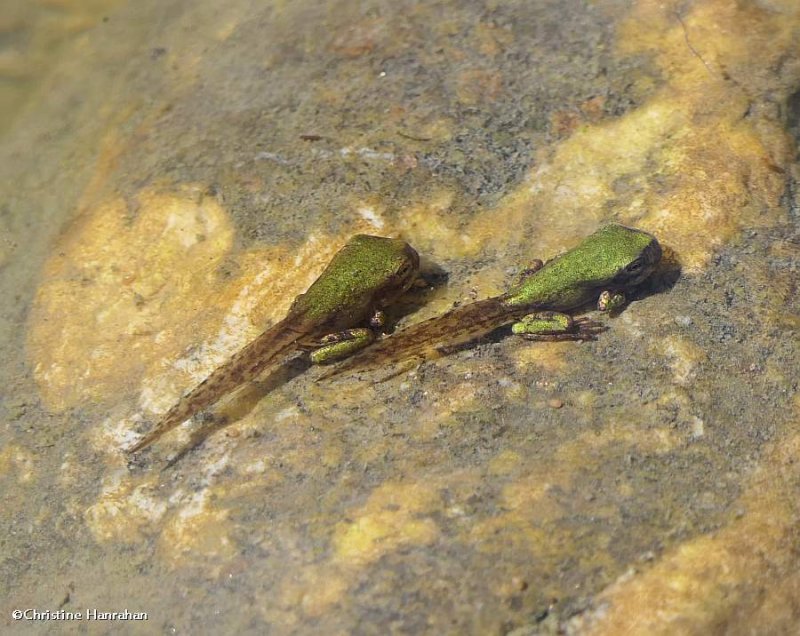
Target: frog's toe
587, 329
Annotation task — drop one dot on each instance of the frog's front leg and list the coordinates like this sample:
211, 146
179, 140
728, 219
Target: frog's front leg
611, 301
554, 326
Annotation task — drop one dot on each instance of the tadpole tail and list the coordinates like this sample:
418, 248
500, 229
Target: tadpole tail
244, 366
433, 336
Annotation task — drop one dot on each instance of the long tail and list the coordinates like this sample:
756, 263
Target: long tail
244, 366
458, 326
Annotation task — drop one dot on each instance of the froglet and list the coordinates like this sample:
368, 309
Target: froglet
368, 273
602, 267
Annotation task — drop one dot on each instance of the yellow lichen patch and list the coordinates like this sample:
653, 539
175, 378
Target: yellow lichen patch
505, 462
624, 429
440, 411
704, 583
685, 357
7, 246
677, 399
430, 226
513, 391
16, 462
531, 495
320, 590
191, 527
476, 85
112, 293
774, 295
393, 516
687, 164
490, 39
310, 592
725, 170
124, 510
585, 399
563, 198
546, 355
197, 532
71, 471
529, 500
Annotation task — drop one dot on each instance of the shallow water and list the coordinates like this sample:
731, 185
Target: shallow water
173, 174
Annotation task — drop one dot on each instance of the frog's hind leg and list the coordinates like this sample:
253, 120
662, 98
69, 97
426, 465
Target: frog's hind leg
551, 326
336, 346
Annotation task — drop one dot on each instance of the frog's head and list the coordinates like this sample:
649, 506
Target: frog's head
368, 272
616, 256
399, 265
382, 267
626, 255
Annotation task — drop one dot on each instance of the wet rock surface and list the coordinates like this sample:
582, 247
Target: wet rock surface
185, 169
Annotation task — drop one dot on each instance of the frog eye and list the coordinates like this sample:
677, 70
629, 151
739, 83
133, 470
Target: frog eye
635, 266
404, 270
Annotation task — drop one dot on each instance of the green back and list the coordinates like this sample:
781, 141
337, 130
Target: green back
614, 257
368, 272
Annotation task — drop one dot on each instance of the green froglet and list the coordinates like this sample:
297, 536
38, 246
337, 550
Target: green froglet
368, 273
602, 267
